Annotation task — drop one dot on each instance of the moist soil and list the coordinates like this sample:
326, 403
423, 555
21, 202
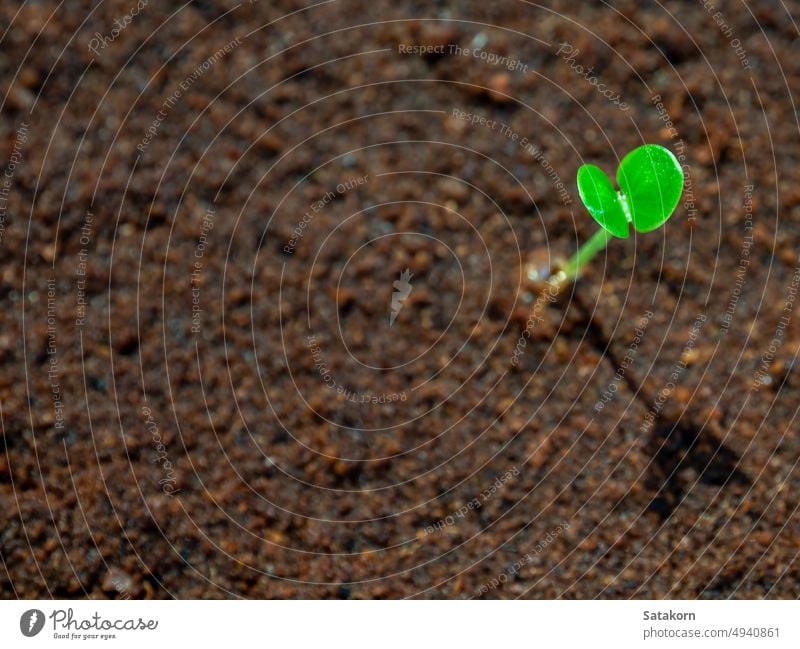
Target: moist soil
203, 395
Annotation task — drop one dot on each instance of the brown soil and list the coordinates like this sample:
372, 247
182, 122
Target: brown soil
149, 451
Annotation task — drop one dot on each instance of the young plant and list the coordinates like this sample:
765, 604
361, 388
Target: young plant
651, 183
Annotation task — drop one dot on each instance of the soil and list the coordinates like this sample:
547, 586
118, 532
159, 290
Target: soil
203, 394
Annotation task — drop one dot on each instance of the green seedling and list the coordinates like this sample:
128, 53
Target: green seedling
651, 183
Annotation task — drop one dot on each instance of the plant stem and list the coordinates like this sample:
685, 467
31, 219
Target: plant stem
598, 241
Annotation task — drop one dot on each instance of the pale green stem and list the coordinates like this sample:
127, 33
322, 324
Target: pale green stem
572, 268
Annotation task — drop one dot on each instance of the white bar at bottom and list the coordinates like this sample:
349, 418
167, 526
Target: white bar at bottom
401, 624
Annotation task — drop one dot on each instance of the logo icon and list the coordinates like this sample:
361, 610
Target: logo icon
31, 622
403, 286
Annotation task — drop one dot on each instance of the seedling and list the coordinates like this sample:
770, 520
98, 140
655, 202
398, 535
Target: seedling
651, 183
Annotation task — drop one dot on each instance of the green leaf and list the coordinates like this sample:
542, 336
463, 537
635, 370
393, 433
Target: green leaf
652, 181
602, 201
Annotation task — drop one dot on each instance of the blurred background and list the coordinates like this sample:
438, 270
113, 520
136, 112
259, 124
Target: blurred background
268, 329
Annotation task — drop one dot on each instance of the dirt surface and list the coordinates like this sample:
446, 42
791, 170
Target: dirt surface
206, 216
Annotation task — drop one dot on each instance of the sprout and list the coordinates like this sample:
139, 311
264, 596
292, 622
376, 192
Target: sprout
651, 183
